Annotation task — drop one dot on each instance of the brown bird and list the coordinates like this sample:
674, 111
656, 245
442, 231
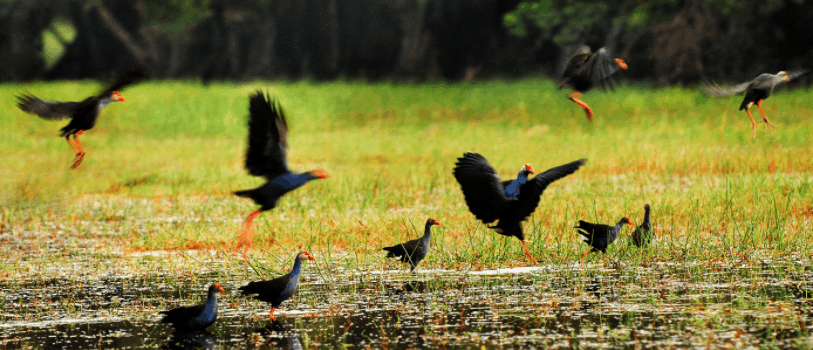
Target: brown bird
755, 91
83, 113
586, 69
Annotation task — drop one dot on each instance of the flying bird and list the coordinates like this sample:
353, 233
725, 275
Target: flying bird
415, 250
599, 236
83, 113
586, 69
490, 199
266, 156
643, 234
279, 289
196, 317
756, 91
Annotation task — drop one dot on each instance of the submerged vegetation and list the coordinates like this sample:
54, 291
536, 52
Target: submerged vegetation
153, 201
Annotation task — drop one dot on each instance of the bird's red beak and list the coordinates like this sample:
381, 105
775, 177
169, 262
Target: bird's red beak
117, 96
529, 168
321, 173
310, 257
437, 223
621, 63
220, 288
787, 78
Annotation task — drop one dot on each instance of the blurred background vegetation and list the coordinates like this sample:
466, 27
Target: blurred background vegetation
664, 41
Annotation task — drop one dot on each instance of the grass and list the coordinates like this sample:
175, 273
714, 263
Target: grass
160, 168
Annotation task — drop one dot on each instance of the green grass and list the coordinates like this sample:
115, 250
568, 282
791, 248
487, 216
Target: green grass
160, 168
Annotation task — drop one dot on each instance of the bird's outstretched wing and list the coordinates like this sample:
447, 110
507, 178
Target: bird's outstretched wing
531, 192
793, 74
124, 78
599, 67
46, 109
481, 187
267, 138
714, 90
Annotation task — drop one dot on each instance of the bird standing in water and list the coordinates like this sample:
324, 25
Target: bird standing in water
415, 250
196, 317
643, 234
586, 69
279, 289
756, 91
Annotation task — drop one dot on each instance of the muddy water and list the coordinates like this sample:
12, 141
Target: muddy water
750, 305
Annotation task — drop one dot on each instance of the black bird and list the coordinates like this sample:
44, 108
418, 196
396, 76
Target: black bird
487, 200
83, 114
196, 317
643, 234
755, 91
266, 156
586, 69
279, 289
599, 236
413, 251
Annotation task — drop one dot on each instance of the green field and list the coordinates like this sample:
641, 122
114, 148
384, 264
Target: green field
160, 167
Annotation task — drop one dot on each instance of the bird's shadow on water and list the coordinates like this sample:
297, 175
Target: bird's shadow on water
191, 340
277, 335
406, 287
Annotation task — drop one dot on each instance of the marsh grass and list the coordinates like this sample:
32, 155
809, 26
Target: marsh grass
161, 166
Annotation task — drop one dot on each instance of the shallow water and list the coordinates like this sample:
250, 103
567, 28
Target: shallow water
748, 305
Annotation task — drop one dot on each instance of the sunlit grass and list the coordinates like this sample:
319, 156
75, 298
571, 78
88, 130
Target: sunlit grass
161, 166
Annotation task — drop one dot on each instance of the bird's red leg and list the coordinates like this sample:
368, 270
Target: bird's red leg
249, 220
246, 236
575, 98
765, 117
271, 314
527, 253
753, 123
581, 260
79, 149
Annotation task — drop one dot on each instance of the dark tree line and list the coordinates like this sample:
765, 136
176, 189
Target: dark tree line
664, 41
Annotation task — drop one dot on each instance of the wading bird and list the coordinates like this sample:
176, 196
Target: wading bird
413, 251
599, 236
586, 69
279, 289
83, 114
266, 156
755, 91
489, 200
643, 234
198, 317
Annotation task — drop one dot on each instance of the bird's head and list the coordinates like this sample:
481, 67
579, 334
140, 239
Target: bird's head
784, 75
304, 256
646, 206
621, 63
320, 173
528, 168
215, 287
625, 220
116, 97
432, 221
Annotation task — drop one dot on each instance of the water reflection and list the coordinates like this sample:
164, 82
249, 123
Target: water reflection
191, 340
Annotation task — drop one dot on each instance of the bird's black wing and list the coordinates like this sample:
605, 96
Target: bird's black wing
402, 249
124, 78
714, 90
591, 228
599, 67
182, 314
47, 109
793, 74
575, 65
267, 291
267, 138
481, 187
531, 191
